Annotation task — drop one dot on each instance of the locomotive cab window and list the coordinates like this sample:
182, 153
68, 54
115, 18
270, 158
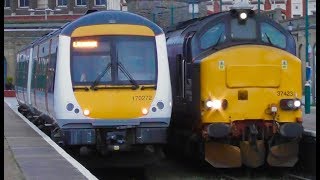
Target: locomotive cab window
273, 36
213, 36
243, 30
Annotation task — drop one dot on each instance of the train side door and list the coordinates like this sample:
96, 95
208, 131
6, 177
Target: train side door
187, 51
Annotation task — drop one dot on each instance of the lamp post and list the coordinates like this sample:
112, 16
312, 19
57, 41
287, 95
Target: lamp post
220, 5
193, 7
45, 11
258, 6
307, 86
172, 9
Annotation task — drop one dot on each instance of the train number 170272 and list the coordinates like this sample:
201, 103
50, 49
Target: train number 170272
141, 98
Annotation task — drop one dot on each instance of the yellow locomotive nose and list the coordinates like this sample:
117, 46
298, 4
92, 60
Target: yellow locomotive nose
249, 84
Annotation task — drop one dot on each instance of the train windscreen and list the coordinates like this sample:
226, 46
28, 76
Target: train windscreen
113, 60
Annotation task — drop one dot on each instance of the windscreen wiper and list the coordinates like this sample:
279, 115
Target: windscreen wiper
97, 80
268, 39
80, 87
127, 74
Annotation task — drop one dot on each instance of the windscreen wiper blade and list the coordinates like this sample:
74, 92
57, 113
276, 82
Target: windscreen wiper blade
80, 87
97, 80
268, 38
127, 74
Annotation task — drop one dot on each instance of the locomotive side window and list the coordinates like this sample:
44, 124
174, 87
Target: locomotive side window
245, 30
271, 35
213, 36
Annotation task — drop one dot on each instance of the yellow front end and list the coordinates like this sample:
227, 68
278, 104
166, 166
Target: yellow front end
111, 101
250, 80
115, 103
265, 74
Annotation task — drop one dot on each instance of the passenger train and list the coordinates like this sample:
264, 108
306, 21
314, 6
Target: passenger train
236, 86
101, 81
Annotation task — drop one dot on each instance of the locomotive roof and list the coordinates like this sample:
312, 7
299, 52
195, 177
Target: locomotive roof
110, 17
195, 21
194, 24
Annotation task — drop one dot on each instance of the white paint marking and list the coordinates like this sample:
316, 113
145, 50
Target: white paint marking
75, 163
310, 132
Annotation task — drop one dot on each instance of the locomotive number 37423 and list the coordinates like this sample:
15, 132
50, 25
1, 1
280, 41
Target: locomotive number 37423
285, 93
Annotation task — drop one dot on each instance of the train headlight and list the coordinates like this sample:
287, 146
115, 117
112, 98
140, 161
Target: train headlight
144, 111
214, 104
86, 112
297, 103
290, 104
243, 16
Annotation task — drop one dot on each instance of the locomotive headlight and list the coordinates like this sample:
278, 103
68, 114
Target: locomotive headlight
297, 103
86, 112
290, 104
144, 111
215, 104
243, 15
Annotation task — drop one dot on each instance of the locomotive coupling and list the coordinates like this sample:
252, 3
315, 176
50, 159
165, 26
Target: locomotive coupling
291, 130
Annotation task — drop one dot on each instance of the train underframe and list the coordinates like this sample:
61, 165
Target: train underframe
103, 140
246, 142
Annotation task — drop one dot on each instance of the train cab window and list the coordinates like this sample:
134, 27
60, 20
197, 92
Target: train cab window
213, 36
88, 61
273, 36
243, 30
138, 56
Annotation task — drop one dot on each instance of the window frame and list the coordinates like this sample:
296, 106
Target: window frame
19, 4
115, 81
256, 21
100, 5
76, 3
261, 40
5, 4
57, 3
211, 26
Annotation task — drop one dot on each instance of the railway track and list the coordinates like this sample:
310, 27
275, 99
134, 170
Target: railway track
174, 169
297, 177
287, 176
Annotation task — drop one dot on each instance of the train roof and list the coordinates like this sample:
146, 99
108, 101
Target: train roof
110, 17
99, 17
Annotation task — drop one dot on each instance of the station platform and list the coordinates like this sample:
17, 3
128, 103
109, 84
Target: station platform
30, 154
309, 120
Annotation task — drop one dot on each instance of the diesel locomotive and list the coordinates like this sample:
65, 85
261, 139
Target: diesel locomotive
236, 86
101, 82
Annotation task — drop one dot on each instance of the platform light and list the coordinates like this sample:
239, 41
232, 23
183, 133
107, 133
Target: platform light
86, 112
85, 44
144, 111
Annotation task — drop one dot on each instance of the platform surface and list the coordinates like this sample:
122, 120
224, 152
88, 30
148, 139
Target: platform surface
27, 155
